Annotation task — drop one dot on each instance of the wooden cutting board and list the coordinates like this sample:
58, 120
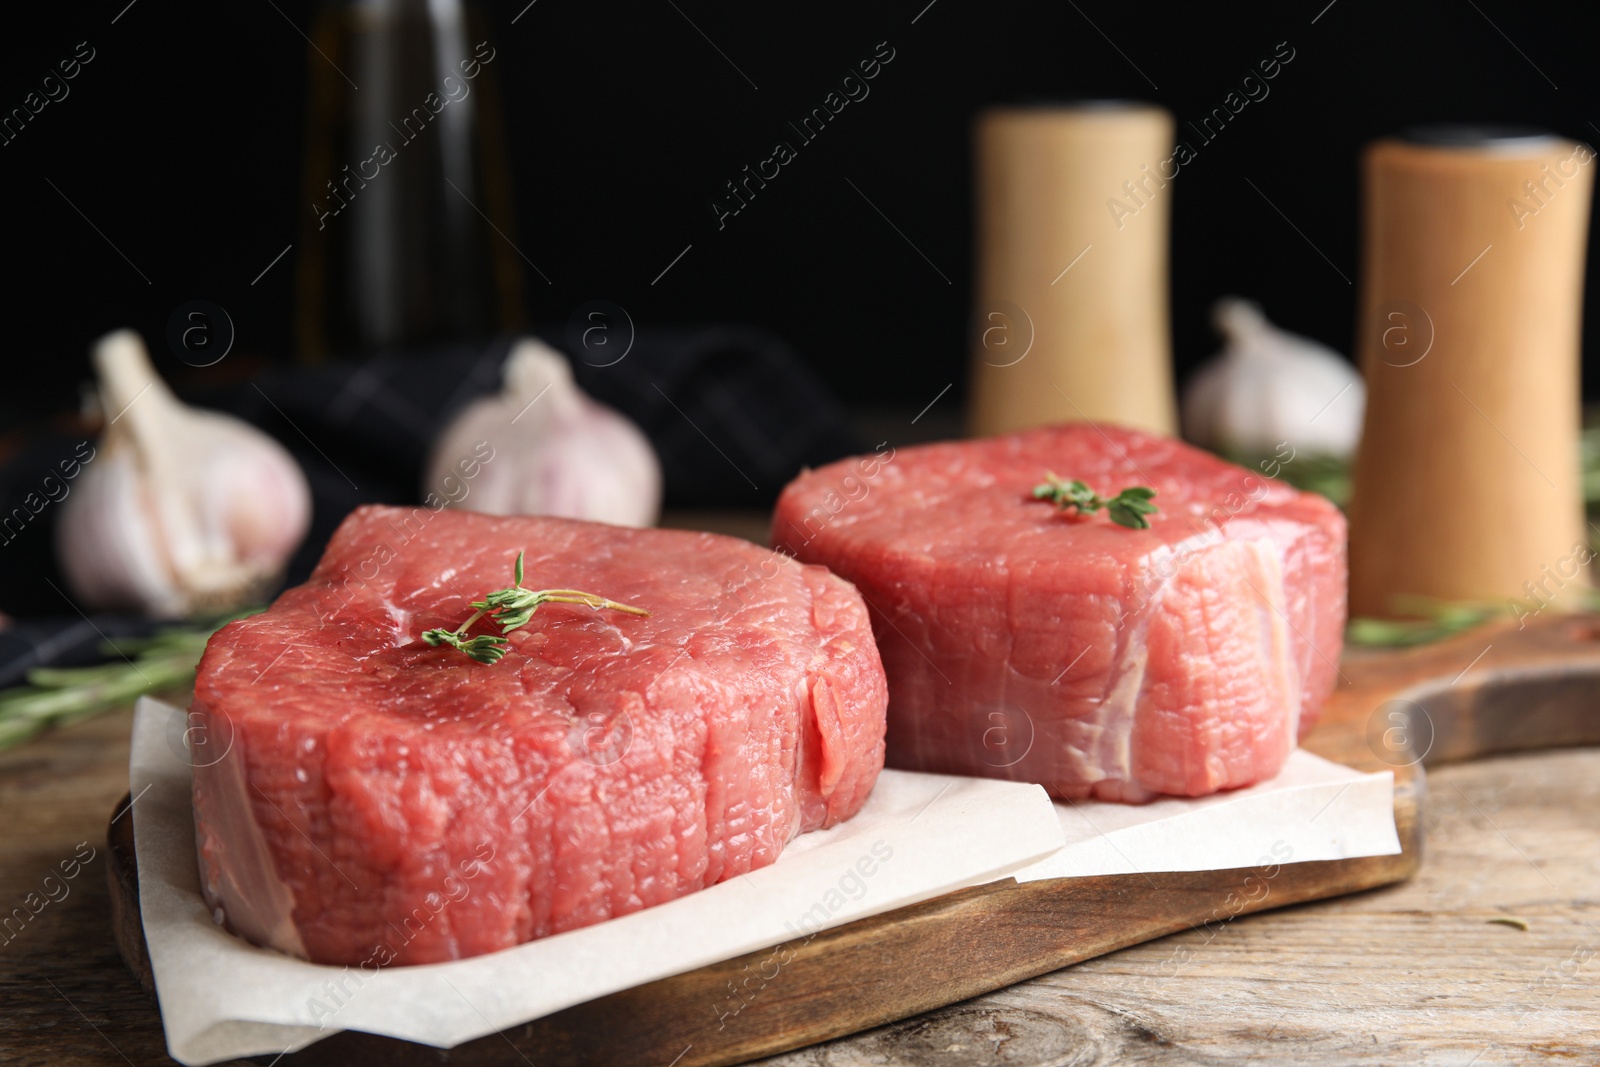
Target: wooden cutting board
1496, 689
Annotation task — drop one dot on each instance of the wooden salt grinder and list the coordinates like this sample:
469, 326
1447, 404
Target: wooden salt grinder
1466, 485
1070, 317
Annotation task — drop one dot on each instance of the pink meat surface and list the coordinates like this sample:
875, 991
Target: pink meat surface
382, 801
1028, 643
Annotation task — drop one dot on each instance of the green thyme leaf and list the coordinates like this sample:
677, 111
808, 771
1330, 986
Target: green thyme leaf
485, 648
1128, 508
511, 609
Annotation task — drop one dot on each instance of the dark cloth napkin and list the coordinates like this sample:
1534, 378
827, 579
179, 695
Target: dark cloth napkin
732, 413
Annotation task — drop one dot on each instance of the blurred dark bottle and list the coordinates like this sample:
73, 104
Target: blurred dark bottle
405, 182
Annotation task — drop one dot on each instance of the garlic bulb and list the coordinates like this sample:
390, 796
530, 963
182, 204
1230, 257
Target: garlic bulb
181, 511
543, 447
1268, 386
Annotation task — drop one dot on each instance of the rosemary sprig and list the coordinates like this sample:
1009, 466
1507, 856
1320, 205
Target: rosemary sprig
1128, 508
55, 696
511, 609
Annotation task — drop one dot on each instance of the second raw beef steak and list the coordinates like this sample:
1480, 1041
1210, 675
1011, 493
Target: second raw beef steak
1023, 641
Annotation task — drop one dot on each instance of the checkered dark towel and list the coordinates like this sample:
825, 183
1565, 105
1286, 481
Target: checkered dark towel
732, 412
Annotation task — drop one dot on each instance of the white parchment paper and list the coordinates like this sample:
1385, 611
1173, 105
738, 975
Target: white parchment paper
923, 835
1313, 810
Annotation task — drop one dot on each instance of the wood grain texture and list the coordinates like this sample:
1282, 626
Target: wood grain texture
1004, 934
1411, 974
65, 996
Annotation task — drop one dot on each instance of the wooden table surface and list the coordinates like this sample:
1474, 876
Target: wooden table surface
1414, 974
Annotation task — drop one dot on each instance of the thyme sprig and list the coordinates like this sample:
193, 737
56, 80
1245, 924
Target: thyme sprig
1128, 508
511, 609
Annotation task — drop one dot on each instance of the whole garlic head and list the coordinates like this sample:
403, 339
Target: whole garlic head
1268, 386
181, 511
554, 450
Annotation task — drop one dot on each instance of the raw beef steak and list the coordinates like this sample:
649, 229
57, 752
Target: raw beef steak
1022, 641
383, 801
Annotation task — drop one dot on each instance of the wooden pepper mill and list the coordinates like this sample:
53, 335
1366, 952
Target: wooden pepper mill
1467, 485
1070, 317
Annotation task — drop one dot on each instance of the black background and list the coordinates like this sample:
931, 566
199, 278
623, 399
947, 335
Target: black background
181, 142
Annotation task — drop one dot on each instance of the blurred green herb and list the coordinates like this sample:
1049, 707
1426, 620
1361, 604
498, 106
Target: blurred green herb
1330, 475
1589, 450
512, 609
1128, 508
1315, 472
55, 696
1435, 620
